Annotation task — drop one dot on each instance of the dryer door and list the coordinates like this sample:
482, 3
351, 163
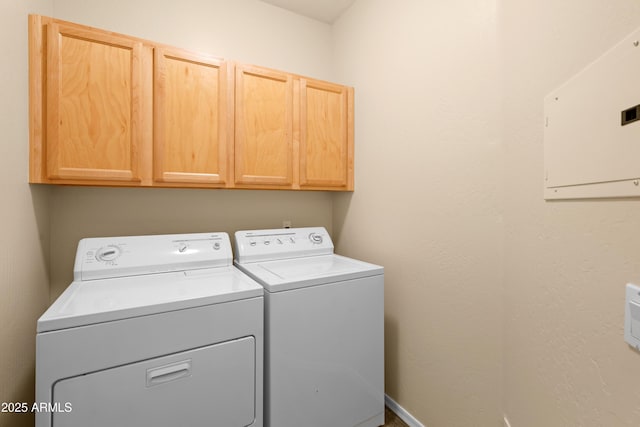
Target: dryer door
207, 386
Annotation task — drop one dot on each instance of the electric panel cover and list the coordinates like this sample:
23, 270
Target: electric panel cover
592, 131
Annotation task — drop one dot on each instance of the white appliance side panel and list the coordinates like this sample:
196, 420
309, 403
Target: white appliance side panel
325, 354
214, 385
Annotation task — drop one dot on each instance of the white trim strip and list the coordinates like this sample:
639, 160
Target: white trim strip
402, 413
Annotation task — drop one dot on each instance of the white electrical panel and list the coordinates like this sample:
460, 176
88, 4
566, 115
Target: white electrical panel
632, 316
592, 128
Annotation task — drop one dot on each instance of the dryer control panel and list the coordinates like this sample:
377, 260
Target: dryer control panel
281, 243
106, 257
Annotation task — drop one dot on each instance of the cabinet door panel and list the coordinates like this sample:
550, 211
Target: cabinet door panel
93, 104
264, 126
326, 145
191, 135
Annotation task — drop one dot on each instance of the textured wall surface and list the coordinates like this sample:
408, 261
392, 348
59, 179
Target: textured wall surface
24, 220
566, 263
427, 199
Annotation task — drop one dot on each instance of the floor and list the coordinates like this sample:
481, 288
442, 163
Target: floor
392, 420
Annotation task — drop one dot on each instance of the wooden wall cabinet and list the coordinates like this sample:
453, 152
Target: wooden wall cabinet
192, 135
292, 132
326, 135
87, 105
264, 128
109, 109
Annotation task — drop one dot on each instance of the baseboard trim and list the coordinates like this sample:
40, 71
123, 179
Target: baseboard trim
401, 412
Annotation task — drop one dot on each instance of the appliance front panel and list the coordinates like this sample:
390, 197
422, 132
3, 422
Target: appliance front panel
197, 387
325, 354
74, 352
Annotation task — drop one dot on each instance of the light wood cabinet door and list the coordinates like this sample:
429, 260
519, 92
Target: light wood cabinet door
263, 128
93, 104
326, 135
191, 123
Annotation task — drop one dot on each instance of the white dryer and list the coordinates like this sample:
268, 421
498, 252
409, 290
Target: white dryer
324, 329
154, 331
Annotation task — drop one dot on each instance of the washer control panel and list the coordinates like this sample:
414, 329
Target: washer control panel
105, 257
281, 243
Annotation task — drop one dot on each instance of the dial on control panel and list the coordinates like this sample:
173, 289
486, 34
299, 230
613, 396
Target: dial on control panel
315, 238
185, 247
108, 253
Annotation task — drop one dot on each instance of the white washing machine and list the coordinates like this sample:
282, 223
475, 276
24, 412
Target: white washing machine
154, 331
324, 329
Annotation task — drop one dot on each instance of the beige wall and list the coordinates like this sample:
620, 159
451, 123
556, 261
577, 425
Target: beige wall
566, 263
24, 220
449, 127
244, 30
249, 31
496, 301
428, 197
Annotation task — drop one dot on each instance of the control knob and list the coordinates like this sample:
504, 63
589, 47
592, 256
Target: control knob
315, 238
108, 253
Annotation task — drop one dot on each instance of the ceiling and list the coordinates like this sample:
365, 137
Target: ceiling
322, 10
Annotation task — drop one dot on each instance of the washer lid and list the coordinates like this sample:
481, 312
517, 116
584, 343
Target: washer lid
104, 300
282, 275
